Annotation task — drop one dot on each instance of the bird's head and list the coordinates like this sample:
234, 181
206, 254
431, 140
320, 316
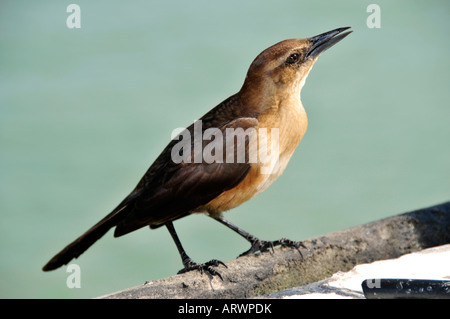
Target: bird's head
283, 67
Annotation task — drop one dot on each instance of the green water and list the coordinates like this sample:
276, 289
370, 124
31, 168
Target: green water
84, 112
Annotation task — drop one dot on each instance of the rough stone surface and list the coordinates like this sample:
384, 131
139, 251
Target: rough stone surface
432, 263
258, 275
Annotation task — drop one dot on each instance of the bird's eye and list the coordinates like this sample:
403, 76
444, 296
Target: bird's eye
293, 58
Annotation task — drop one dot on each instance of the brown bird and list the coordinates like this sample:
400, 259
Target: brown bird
269, 102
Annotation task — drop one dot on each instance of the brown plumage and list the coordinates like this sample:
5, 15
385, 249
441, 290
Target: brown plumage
268, 99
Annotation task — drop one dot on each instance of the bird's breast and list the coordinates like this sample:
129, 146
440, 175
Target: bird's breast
279, 132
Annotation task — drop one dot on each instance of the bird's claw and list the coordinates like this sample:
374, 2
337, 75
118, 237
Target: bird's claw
258, 246
284, 242
261, 246
204, 267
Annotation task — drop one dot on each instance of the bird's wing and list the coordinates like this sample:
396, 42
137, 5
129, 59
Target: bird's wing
169, 191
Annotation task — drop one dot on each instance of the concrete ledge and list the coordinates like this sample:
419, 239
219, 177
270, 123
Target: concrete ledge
431, 263
260, 275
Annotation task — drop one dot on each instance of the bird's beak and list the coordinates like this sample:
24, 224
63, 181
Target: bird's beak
326, 40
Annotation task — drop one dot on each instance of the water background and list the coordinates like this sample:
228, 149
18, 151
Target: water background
84, 112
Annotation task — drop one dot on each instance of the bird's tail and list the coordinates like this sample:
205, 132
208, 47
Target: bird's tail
79, 245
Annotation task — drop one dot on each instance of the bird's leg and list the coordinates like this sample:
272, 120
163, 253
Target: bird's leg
258, 245
188, 263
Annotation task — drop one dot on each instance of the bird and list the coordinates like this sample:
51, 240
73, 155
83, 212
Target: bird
181, 181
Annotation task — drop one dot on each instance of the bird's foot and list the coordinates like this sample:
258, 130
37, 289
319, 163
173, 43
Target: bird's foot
261, 246
203, 268
258, 245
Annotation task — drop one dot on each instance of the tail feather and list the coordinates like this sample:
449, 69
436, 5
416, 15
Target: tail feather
79, 245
